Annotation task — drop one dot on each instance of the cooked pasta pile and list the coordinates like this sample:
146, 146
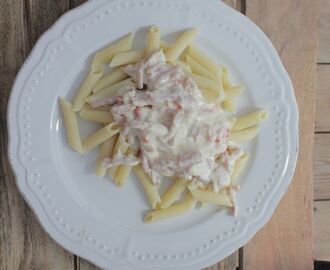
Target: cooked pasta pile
167, 112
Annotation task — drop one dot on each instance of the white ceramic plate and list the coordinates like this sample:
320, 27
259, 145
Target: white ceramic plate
102, 223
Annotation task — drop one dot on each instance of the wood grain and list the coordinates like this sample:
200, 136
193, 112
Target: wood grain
75, 3
322, 230
322, 167
324, 32
24, 244
286, 241
322, 109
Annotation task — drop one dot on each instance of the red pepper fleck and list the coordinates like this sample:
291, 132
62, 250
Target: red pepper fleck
178, 106
137, 111
217, 140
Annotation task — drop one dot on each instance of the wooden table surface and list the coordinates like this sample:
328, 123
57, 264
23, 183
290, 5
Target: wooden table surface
286, 242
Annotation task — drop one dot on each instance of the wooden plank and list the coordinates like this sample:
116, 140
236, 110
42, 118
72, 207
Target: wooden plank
322, 167
24, 244
322, 109
286, 241
322, 230
324, 32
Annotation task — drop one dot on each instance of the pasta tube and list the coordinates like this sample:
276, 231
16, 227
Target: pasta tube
105, 151
129, 57
173, 193
204, 60
225, 79
239, 166
100, 136
105, 56
198, 68
175, 210
211, 197
245, 134
209, 94
250, 120
101, 117
88, 107
86, 88
71, 126
206, 84
233, 92
149, 188
229, 105
113, 78
181, 44
153, 42
123, 171
109, 91
122, 147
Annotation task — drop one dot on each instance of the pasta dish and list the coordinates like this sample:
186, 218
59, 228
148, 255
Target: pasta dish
167, 115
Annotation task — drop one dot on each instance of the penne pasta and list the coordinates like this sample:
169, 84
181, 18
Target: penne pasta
129, 57
209, 95
105, 151
204, 60
173, 193
113, 78
175, 210
229, 105
100, 136
109, 91
123, 171
250, 120
211, 197
101, 117
149, 188
181, 44
88, 107
219, 83
121, 146
71, 126
206, 84
244, 134
153, 42
198, 69
225, 79
86, 88
233, 92
105, 56
239, 166
184, 66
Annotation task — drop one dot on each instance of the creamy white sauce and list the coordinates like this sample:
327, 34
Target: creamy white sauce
178, 133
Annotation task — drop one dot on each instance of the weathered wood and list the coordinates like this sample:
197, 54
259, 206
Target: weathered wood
75, 3
322, 230
324, 32
286, 241
322, 108
24, 244
322, 167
